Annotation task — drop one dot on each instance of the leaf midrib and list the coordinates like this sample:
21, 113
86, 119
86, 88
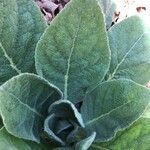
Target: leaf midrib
24, 104
98, 118
12, 64
69, 60
125, 56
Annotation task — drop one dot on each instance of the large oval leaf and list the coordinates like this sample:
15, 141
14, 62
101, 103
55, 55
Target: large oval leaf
21, 25
137, 137
113, 106
130, 47
24, 102
73, 53
9, 142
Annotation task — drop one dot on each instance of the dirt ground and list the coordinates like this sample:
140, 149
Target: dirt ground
125, 8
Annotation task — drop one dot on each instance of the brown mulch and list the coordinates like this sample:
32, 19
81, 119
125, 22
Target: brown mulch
125, 8
50, 8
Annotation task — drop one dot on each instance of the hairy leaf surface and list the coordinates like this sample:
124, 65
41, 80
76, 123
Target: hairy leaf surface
113, 106
61, 122
86, 143
24, 102
137, 137
73, 53
21, 25
9, 142
66, 109
108, 7
7, 68
130, 48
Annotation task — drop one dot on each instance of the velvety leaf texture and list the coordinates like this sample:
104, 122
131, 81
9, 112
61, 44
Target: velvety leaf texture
86, 143
66, 109
130, 48
73, 53
137, 137
24, 101
108, 7
62, 116
9, 142
113, 106
7, 68
21, 26
146, 113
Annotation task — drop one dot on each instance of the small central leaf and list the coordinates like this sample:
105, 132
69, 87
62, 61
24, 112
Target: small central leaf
62, 122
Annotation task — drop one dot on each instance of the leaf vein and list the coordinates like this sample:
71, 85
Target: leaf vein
97, 118
125, 56
26, 105
69, 60
10, 60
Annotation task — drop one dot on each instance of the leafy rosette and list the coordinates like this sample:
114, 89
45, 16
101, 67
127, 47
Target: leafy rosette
74, 64
35, 111
62, 122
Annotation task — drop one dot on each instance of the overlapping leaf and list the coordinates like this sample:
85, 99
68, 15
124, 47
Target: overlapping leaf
113, 106
130, 49
66, 109
136, 137
108, 7
21, 25
73, 53
85, 143
9, 142
7, 68
61, 122
24, 102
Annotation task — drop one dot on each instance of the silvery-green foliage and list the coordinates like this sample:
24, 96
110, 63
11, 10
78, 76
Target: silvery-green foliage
108, 8
21, 26
90, 89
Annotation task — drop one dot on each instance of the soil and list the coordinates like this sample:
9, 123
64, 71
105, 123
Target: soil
125, 8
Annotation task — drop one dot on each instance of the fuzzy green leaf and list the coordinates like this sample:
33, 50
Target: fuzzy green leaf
21, 26
9, 142
146, 113
113, 106
73, 53
137, 137
66, 109
108, 7
130, 48
62, 119
7, 70
49, 128
24, 102
86, 143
